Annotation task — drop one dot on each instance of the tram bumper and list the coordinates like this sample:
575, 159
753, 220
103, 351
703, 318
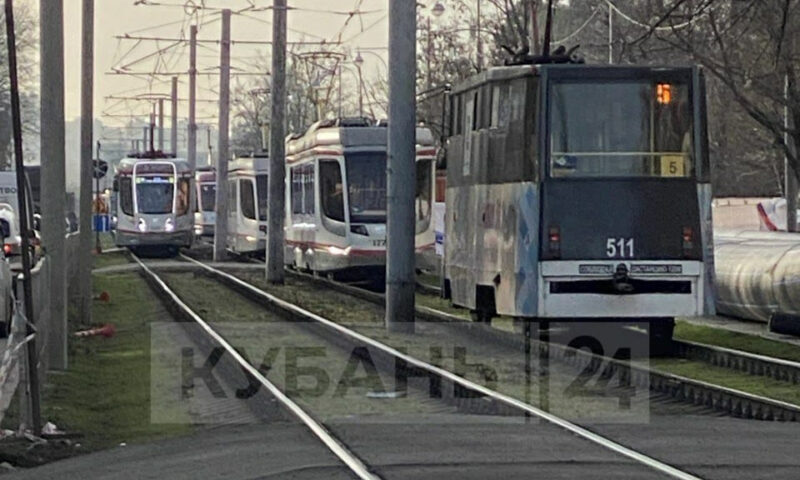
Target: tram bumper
628, 289
133, 239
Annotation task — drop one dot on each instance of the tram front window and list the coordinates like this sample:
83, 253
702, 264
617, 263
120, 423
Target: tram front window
366, 185
622, 129
208, 197
154, 195
262, 187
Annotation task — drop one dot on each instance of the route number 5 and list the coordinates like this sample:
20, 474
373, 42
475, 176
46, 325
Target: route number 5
619, 247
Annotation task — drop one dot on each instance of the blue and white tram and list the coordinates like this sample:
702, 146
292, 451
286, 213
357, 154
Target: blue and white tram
336, 197
247, 204
580, 192
153, 199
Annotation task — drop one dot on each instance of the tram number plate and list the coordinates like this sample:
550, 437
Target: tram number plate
619, 247
379, 243
672, 166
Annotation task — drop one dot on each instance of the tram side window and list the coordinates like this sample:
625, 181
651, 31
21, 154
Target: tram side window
308, 189
331, 191
501, 110
232, 203
262, 192
126, 195
183, 196
248, 199
297, 190
303, 189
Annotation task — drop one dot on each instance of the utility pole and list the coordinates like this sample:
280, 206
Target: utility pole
276, 197
51, 65
610, 33
191, 140
25, 227
478, 37
160, 124
221, 226
401, 171
428, 55
87, 166
144, 138
789, 172
173, 131
533, 40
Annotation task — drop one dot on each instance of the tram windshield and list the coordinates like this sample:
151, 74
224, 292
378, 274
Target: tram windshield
620, 129
208, 196
262, 187
366, 186
155, 195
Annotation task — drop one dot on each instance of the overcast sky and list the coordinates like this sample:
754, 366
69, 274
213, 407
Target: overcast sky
313, 20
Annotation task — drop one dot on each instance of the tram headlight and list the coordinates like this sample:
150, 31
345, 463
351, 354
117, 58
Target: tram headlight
169, 225
142, 225
339, 251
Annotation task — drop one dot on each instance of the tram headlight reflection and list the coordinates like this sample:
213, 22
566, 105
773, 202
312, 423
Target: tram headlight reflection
169, 225
142, 225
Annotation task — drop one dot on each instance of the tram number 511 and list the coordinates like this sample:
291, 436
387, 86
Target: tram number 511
619, 248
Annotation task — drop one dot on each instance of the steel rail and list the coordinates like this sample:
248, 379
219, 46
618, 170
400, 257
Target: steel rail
337, 448
456, 379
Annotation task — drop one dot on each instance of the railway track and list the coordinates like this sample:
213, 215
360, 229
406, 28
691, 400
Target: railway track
450, 380
719, 398
753, 364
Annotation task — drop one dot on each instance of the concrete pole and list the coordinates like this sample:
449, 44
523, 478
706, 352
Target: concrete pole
221, 226
160, 124
478, 37
51, 66
173, 131
789, 173
87, 166
276, 197
191, 138
401, 171
610, 34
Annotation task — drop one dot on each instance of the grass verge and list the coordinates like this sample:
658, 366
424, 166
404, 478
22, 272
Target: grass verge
736, 341
104, 396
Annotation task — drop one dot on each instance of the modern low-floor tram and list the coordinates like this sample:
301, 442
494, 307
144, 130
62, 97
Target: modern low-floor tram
336, 198
153, 199
247, 204
205, 206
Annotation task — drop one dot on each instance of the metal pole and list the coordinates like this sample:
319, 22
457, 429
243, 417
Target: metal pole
153, 130
87, 165
191, 139
401, 171
144, 139
51, 65
160, 124
24, 217
173, 131
340, 91
610, 33
789, 172
277, 168
221, 225
478, 38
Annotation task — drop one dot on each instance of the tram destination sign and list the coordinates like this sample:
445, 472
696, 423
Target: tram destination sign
656, 269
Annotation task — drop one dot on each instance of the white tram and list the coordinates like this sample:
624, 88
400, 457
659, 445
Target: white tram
247, 204
336, 197
205, 214
153, 199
